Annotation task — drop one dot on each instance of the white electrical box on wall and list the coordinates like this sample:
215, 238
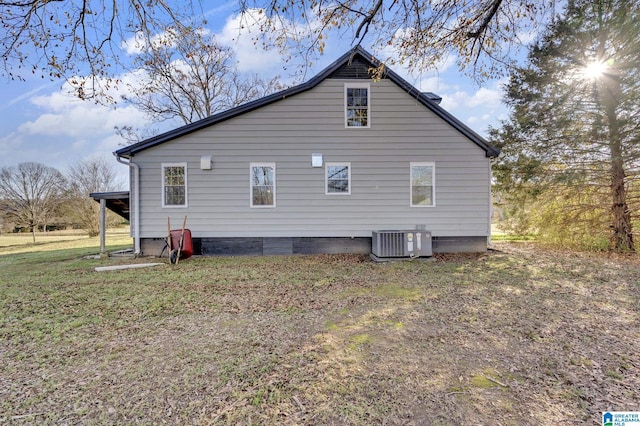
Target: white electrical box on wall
205, 162
316, 160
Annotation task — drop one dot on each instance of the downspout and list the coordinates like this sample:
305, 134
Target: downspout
492, 161
136, 202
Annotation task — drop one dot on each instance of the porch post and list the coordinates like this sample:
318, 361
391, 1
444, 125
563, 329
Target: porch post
103, 221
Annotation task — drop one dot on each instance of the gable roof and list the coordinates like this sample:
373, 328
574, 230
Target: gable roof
357, 54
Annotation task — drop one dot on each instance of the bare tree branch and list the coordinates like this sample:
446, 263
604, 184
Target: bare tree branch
482, 28
189, 76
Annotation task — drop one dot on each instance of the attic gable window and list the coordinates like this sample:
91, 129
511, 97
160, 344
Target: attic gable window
356, 105
174, 185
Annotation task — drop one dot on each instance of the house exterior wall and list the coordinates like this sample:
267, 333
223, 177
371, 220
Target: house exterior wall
286, 133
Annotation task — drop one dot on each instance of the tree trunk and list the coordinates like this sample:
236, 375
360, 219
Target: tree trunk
622, 237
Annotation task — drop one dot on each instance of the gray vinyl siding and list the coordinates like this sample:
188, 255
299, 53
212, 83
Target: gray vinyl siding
286, 133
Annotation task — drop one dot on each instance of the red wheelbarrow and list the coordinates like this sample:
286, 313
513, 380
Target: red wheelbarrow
179, 242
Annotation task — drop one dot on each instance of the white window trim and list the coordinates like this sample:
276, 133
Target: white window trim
162, 194
357, 86
433, 183
251, 166
326, 178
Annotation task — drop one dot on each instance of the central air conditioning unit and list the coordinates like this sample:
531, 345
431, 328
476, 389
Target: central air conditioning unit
401, 244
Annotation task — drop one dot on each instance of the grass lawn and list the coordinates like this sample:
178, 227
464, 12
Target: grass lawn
519, 336
58, 240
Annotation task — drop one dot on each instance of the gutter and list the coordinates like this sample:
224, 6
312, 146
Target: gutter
136, 202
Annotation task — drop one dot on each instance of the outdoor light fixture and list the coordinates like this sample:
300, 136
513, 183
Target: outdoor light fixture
316, 160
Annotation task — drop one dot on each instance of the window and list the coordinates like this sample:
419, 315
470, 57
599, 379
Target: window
356, 101
174, 185
263, 185
423, 176
338, 178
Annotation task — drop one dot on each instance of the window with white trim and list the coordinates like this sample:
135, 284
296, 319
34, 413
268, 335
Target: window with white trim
338, 177
263, 184
174, 185
356, 105
423, 178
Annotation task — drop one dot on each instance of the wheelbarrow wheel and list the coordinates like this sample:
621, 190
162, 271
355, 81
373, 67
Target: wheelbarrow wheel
173, 257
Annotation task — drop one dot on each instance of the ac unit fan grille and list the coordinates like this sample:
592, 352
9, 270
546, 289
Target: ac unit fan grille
401, 243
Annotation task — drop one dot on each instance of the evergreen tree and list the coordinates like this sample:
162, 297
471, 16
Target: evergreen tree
571, 144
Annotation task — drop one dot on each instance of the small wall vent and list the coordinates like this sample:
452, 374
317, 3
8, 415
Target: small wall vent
401, 244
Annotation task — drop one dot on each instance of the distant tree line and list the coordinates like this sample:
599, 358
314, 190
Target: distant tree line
35, 197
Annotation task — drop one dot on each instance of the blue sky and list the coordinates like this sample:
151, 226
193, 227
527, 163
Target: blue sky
41, 122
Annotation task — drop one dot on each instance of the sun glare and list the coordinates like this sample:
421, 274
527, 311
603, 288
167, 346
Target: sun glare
594, 70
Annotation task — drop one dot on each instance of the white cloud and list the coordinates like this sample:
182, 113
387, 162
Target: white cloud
81, 121
66, 129
475, 119
66, 115
256, 39
422, 71
135, 44
138, 43
486, 97
526, 37
243, 34
435, 84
